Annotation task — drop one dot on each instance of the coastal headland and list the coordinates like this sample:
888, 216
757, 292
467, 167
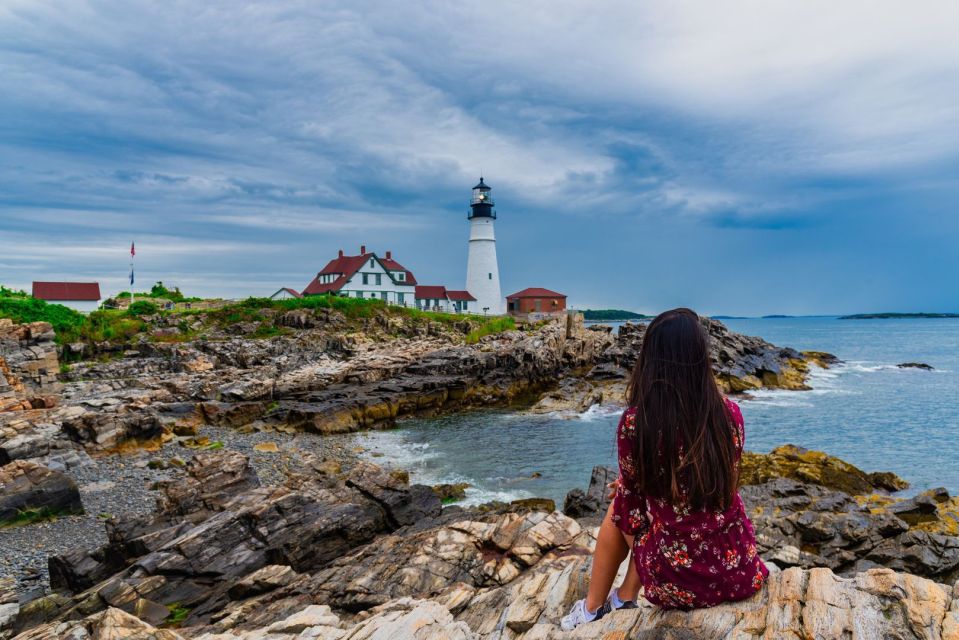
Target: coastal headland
222, 499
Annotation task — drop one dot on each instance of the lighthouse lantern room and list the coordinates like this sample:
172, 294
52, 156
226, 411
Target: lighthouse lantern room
482, 271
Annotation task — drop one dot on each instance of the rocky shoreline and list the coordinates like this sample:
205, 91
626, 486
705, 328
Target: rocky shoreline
352, 554
224, 498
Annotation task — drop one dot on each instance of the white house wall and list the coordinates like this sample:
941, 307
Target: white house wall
355, 285
83, 306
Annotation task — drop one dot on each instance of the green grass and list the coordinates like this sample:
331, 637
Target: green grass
106, 325
491, 326
266, 330
178, 613
352, 308
119, 327
32, 515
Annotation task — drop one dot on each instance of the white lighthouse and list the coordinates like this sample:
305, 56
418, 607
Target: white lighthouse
482, 271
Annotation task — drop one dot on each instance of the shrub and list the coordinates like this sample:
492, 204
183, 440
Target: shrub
26, 309
12, 293
142, 308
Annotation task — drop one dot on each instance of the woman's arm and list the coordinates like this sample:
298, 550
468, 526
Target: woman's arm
629, 504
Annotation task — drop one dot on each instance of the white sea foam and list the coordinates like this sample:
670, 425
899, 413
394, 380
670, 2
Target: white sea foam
598, 411
476, 495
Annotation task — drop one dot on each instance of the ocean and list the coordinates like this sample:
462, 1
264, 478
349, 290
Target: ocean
867, 411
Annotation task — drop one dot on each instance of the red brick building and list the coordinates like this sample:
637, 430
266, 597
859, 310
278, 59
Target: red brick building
535, 300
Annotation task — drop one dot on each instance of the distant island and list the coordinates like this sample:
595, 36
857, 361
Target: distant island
887, 316
729, 317
612, 315
776, 316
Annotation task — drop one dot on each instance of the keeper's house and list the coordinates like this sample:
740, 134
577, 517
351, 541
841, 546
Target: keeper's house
367, 275
81, 296
536, 301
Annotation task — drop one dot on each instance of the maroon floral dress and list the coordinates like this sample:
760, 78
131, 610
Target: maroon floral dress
686, 559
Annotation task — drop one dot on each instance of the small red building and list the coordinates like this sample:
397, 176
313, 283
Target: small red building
82, 296
535, 300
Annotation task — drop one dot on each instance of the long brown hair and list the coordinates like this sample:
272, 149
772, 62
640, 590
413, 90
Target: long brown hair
683, 449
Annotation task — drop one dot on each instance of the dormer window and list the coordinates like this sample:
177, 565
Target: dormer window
400, 276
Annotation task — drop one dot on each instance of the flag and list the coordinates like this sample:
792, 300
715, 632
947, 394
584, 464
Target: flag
133, 251
131, 277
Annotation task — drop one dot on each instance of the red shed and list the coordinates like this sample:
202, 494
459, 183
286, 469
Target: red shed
535, 300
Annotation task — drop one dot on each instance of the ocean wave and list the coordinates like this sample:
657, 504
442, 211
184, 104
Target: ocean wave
600, 411
477, 495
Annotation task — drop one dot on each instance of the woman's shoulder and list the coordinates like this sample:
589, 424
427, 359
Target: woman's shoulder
734, 411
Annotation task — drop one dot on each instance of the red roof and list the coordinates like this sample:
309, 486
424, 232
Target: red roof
66, 290
460, 295
535, 292
393, 265
292, 292
347, 266
424, 292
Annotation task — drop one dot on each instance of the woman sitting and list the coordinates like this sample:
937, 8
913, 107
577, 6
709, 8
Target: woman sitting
675, 503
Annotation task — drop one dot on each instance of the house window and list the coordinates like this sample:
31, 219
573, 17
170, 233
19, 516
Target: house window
400, 276
490, 276
400, 297
378, 278
371, 263
465, 305
366, 278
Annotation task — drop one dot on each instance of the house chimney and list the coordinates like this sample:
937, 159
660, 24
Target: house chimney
362, 249
389, 255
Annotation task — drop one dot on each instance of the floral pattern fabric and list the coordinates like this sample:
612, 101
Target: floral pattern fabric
686, 559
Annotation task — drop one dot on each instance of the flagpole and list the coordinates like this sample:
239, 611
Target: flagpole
132, 254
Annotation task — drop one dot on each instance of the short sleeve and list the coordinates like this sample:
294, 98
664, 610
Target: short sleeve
629, 505
739, 430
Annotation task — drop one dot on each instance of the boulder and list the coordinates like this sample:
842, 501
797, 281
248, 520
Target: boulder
29, 491
915, 365
594, 502
111, 624
451, 492
816, 467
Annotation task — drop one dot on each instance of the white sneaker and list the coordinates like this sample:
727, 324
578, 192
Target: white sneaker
578, 615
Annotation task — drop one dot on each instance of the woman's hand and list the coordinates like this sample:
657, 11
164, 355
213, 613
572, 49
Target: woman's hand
613, 488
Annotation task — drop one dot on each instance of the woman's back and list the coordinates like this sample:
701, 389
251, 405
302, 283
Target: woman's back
686, 557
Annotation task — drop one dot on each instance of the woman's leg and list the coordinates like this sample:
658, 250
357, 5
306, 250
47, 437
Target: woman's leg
629, 589
612, 548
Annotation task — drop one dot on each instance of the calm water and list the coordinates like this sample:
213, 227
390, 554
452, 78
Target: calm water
866, 411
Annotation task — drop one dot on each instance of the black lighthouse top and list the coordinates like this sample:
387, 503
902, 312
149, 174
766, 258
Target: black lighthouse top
481, 204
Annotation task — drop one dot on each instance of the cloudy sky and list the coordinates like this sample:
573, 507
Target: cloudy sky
737, 157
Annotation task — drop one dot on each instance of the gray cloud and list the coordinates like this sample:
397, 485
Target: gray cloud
241, 144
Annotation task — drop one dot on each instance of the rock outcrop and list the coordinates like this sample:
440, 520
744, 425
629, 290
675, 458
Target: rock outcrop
815, 467
811, 510
365, 554
30, 492
28, 366
741, 363
212, 532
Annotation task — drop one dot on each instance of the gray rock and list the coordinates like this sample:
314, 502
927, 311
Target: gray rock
28, 489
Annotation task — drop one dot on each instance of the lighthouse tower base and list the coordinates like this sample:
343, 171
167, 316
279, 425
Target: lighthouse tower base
482, 272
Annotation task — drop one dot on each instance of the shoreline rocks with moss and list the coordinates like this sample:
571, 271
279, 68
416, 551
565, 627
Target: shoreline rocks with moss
364, 553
